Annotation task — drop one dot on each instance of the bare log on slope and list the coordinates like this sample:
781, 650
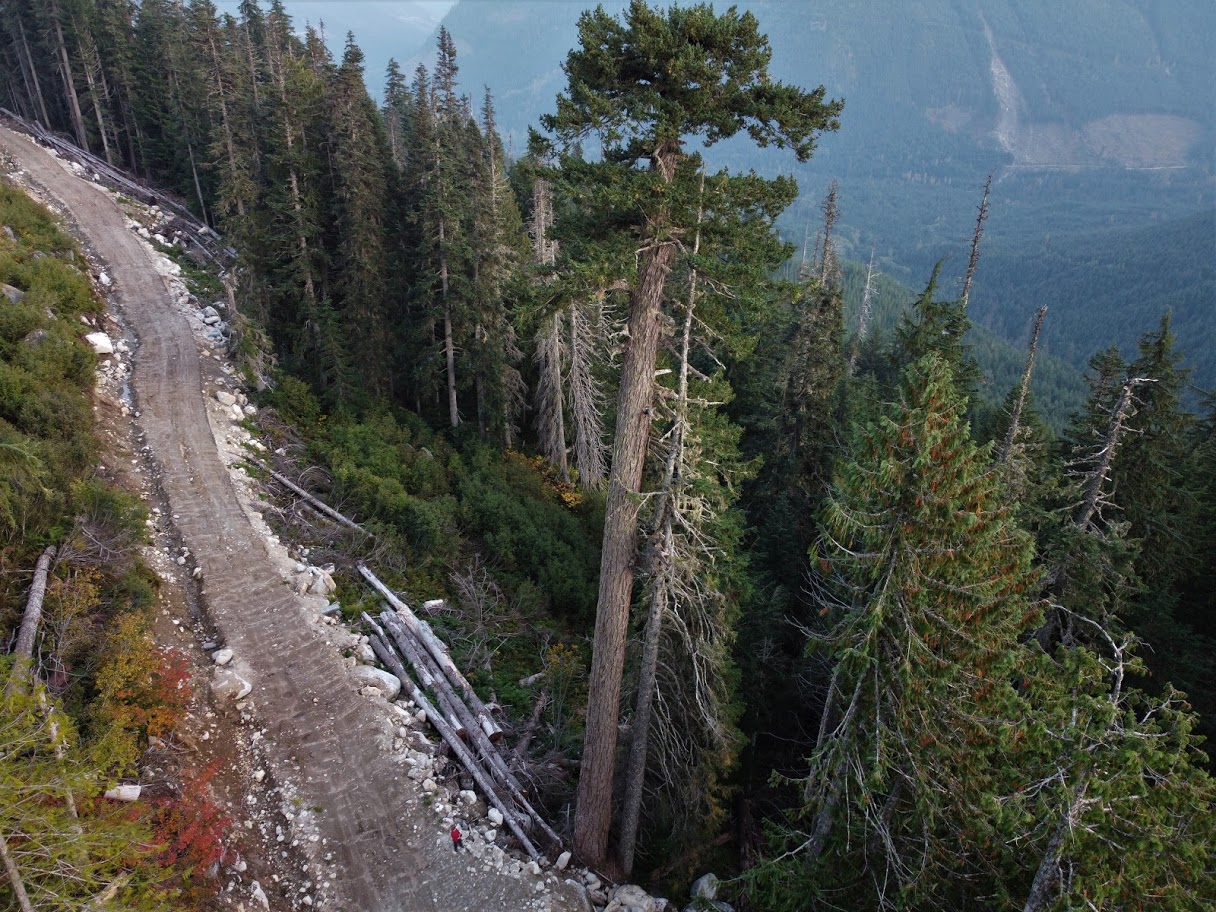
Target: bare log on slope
438, 651
207, 241
24, 650
489, 754
308, 498
423, 664
385, 653
429, 679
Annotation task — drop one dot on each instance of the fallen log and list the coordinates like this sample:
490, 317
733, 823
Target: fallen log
429, 679
497, 766
426, 666
308, 498
385, 654
24, 650
423, 633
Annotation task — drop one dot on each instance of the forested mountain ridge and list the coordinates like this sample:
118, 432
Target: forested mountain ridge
815, 612
1095, 118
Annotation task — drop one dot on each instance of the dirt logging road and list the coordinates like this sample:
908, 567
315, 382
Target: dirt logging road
372, 846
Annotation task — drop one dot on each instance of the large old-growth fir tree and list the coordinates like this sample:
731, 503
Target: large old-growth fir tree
643, 86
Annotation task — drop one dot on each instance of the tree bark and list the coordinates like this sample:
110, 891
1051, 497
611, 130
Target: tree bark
521, 747
457, 746
24, 650
14, 877
635, 778
422, 632
427, 675
69, 83
593, 814
296, 489
490, 757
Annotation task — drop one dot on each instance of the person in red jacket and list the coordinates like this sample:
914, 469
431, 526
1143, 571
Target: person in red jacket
457, 838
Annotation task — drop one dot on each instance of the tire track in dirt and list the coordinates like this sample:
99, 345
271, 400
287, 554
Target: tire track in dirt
320, 735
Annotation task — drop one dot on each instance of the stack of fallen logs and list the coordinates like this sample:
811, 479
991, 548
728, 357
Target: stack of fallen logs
463, 721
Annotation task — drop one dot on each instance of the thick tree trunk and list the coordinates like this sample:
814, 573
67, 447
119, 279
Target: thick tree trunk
635, 776
33, 606
24, 650
593, 814
466, 725
428, 675
665, 554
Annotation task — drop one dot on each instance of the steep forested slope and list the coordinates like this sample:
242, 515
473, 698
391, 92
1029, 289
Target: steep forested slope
809, 545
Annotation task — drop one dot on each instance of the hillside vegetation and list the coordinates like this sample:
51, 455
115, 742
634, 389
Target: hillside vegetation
836, 613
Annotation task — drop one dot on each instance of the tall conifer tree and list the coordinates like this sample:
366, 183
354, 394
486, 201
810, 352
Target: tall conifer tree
642, 83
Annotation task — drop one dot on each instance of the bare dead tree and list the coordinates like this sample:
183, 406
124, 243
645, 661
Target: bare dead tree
863, 318
1015, 417
829, 266
974, 259
550, 395
681, 701
489, 622
1092, 471
588, 329
1098, 462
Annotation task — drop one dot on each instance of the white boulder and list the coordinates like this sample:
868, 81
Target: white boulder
226, 684
101, 342
386, 683
705, 887
630, 898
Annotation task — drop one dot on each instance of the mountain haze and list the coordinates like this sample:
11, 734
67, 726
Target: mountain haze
1095, 119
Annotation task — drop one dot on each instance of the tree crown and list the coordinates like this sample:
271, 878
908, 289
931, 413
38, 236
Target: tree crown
656, 77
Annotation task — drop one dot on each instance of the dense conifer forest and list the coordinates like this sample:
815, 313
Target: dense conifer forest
812, 611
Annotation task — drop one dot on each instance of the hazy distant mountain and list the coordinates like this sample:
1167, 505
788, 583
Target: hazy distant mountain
1094, 116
